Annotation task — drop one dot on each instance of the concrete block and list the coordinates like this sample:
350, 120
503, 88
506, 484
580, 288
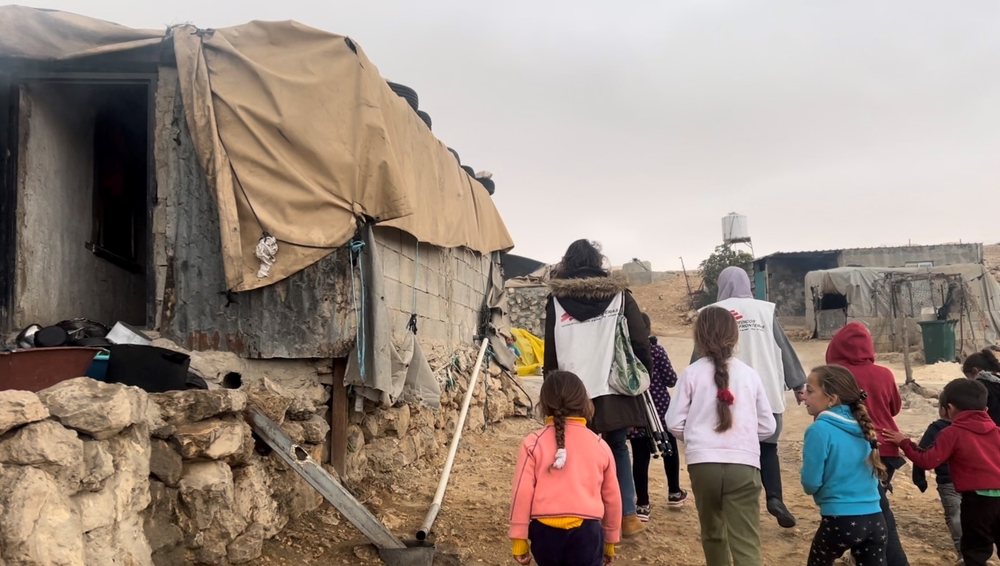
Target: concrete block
435, 283
406, 270
389, 237
390, 263
393, 290
408, 246
423, 304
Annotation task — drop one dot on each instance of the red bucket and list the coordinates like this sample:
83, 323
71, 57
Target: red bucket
36, 369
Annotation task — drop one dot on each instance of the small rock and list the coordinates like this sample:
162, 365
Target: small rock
98, 409
255, 498
301, 409
210, 440
97, 509
179, 407
130, 451
18, 408
39, 524
98, 465
50, 447
272, 399
295, 431
207, 498
369, 426
247, 546
315, 430
160, 518
165, 463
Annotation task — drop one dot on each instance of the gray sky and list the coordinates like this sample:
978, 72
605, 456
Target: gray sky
641, 124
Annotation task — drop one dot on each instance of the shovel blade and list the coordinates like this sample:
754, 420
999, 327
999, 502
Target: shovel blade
416, 553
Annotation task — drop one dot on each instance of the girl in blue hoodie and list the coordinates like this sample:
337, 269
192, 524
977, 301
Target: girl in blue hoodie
841, 469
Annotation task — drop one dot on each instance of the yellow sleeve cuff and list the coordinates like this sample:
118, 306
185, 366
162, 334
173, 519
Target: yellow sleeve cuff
520, 546
609, 549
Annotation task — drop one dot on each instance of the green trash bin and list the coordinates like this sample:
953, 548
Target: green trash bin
939, 340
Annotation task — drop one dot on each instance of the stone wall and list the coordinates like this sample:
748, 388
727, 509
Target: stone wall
92, 473
74, 475
527, 308
382, 441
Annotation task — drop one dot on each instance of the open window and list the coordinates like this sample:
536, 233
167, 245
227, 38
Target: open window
83, 186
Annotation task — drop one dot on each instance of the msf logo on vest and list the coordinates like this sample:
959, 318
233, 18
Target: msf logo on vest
745, 323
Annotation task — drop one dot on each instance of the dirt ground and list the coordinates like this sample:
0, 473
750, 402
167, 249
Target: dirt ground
471, 529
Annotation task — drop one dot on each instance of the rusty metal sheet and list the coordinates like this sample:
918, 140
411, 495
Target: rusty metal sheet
308, 315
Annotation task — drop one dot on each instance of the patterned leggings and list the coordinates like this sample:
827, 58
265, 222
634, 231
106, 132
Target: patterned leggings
864, 535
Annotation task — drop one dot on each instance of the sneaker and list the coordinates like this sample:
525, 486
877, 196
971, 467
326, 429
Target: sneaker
677, 499
631, 526
642, 512
777, 508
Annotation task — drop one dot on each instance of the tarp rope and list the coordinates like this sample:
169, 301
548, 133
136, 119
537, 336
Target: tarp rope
356, 246
412, 324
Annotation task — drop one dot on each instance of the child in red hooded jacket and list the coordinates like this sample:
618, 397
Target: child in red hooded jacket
852, 348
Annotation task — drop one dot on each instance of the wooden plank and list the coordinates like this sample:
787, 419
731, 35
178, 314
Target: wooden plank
310, 470
340, 414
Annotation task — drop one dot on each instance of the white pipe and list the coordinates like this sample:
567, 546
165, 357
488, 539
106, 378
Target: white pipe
425, 529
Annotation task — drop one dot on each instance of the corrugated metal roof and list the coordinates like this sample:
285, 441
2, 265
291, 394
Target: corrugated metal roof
840, 250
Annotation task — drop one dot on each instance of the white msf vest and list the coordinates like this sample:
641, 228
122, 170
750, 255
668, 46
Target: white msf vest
757, 347
587, 348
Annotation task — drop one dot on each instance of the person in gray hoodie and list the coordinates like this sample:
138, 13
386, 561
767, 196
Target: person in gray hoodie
764, 347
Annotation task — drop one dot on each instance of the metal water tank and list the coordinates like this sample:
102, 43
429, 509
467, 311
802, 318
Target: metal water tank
734, 228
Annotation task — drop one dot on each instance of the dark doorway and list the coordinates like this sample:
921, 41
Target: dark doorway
81, 186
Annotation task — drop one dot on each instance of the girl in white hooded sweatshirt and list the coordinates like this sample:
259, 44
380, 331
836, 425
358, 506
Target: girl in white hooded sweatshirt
720, 411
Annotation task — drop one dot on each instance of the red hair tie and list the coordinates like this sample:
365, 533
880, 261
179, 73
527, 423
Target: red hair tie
726, 396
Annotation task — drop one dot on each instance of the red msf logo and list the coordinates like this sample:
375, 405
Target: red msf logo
566, 317
737, 315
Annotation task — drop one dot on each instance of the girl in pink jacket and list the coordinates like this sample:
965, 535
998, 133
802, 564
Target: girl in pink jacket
566, 507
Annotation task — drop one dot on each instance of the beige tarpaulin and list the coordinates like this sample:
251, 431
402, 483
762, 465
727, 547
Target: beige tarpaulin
298, 135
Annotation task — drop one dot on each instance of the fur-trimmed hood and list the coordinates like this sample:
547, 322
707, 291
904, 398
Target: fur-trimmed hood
587, 294
588, 288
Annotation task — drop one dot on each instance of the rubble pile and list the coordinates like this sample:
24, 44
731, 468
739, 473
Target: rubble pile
527, 308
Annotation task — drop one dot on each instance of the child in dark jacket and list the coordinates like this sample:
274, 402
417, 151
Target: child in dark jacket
661, 379
971, 447
951, 500
984, 368
852, 348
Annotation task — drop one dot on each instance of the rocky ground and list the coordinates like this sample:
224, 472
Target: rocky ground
471, 529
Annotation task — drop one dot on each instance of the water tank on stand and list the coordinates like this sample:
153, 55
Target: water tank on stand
734, 229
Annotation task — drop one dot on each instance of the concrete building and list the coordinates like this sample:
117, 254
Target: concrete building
780, 277
70, 246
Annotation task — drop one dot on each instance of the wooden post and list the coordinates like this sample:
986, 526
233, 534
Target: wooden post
906, 349
340, 413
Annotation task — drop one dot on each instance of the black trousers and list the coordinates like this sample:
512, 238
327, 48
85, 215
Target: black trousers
980, 527
894, 553
863, 535
641, 455
770, 470
582, 546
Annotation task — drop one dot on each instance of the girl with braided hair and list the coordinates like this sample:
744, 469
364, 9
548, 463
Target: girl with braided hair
721, 413
566, 506
841, 469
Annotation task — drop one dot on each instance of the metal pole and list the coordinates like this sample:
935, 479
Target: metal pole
432, 513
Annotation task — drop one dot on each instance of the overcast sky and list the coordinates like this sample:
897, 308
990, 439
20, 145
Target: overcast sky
641, 124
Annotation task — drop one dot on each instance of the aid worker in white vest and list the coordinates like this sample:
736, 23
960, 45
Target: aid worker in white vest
764, 347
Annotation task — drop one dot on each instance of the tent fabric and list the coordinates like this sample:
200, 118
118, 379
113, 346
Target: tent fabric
50, 35
299, 136
859, 286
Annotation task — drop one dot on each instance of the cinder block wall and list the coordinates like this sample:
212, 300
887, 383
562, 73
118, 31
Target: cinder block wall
451, 284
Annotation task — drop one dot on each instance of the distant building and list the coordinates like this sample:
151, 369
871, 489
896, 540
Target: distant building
780, 277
